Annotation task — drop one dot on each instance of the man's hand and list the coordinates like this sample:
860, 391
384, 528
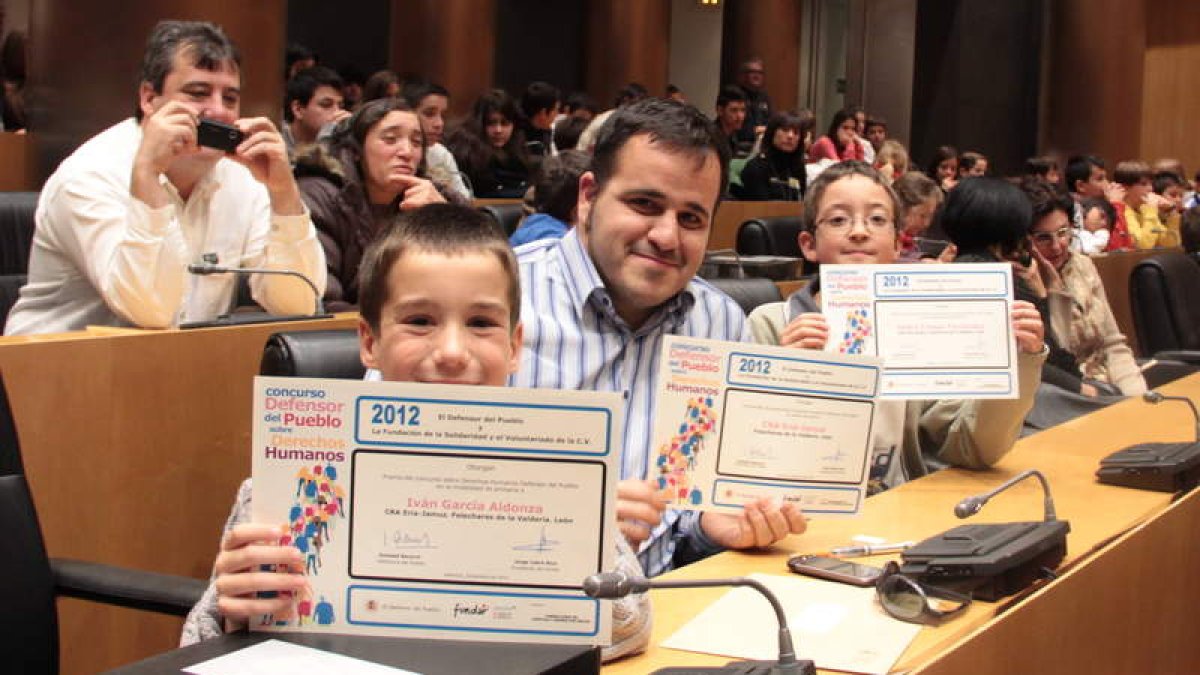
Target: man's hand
167, 134
265, 154
761, 523
807, 331
417, 192
1027, 327
640, 506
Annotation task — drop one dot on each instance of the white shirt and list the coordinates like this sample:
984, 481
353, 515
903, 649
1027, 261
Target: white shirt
443, 170
102, 257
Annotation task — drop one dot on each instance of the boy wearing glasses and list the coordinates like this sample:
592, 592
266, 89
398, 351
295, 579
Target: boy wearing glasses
850, 217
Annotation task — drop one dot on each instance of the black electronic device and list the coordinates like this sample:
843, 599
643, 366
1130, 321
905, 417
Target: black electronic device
1163, 467
610, 585
214, 134
834, 569
995, 559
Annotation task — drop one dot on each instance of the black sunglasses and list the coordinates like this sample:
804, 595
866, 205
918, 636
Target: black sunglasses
915, 602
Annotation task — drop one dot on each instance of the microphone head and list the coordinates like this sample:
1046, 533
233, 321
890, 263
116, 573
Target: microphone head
1152, 396
606, 585
968, 507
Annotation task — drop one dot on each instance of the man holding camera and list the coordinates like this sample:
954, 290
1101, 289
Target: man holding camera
122, 217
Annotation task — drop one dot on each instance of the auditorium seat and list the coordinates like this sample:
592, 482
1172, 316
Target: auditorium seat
313, 353
1163, 290
30, 582
508, 216
10, 289
16, 230
775, 235
749, 292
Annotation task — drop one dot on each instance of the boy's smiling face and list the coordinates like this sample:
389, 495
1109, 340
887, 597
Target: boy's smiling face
861, 200
446, 320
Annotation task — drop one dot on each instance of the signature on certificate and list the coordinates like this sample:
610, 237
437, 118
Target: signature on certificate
542, 544
838, 455
402, 539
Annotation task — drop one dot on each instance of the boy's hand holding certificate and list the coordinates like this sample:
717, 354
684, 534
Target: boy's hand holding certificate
735, 422
440, 511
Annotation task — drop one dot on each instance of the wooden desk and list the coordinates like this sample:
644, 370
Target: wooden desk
134, 444
1122, 599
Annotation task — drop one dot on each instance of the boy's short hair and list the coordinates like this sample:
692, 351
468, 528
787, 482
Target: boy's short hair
1164, 180
1079, 169
1131, 172
891, 152
874, 122
444, 229
836, 172
915, 188
969, 159
729, 94
568, 131
1040, 166
556, 187
304, 86
539, 96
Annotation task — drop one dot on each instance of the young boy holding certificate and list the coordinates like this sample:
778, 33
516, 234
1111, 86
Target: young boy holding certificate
440, 303
850, 217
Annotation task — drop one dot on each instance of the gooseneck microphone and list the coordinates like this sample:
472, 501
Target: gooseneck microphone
207, 268
609, 585
1156, 397
971, 505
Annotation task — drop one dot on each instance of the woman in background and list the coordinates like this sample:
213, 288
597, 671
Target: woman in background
777, 172
489, 148
840, 143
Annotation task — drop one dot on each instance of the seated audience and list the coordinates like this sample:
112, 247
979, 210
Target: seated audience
489, 148
352, 87
891, 161
568, 131
1098, 217
539, 108
920, 198
1043, 168
1086, 177
972, 164
312, 104
752, 78
944, 167
1189, 231
840, 142
381, 84
731, 113
1141, 206
555, 191
430, 102
850, 217
860, 131
628, 94
777, 172
121, 219
356, 181
1084, 322
296, 58
1169, 186
876, 133
580, 105
440, 302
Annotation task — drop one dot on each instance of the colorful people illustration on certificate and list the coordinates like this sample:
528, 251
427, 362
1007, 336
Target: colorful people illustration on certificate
677, 459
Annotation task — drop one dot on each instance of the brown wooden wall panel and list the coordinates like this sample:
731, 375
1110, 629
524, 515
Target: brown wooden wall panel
1094, 78
1170, 95
16, 163
85, 58
769, 29
449, 41
626, 42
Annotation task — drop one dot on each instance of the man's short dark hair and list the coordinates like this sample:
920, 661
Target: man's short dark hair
674, 126
294, 53
444, 229
539, 96
568, 131
206, 45
415, 91
1079, 169
556, 187
580, 101
730, 93
304, 85
874, 122
1131, 172
1164, 180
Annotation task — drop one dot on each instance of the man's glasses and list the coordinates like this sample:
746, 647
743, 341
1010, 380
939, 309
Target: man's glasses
915, 602
842, 223
1047, 238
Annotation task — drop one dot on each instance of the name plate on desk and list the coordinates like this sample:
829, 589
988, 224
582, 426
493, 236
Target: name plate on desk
440, 511
943, 331
735, 422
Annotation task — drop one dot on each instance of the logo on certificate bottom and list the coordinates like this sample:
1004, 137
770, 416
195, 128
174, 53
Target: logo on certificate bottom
677, 458
320, 501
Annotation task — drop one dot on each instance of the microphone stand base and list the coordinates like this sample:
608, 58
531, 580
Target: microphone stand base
799, 667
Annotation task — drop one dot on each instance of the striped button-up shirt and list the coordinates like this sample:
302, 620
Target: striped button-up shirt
574, 339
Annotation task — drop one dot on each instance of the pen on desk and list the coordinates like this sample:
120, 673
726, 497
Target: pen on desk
861, 550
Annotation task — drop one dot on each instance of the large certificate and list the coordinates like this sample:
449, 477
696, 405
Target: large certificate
735, 422
943, 331
440, 511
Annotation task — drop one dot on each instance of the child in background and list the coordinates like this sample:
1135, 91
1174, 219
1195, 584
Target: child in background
1169, 186
944, 167
972, 165
891, 161
851, 217
1098, 217
1141, 206
440, 303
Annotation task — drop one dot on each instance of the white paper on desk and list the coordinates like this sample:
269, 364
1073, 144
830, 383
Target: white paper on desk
838, 627
275, 657
943, 331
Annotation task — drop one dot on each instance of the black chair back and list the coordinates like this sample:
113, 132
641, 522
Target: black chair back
507, 216
16, 230
1163, 290
29, 622
10, 290
314, 353
770, 236
748, 293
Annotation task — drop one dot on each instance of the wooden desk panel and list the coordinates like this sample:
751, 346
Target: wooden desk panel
134, 443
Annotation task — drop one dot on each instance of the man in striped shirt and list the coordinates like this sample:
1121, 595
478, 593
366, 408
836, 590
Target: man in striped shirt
598, 302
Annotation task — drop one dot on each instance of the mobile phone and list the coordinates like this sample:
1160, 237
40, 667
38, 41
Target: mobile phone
834, 569
213, 134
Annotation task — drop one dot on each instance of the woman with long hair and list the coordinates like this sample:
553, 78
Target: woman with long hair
777, 171
840, 143
490, 149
